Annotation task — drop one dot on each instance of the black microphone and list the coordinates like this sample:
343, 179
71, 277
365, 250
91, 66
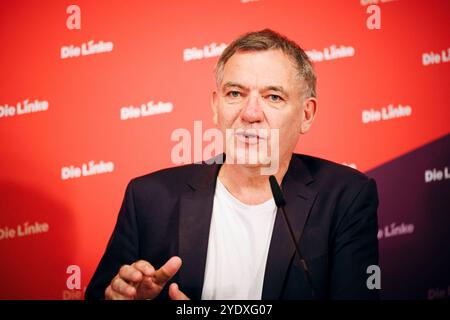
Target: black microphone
280, 202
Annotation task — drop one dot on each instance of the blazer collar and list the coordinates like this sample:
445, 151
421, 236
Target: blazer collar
195, 214
300, 196
195, 218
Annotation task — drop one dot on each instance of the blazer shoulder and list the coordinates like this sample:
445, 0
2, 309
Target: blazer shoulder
342, 184
167, 178
328, 172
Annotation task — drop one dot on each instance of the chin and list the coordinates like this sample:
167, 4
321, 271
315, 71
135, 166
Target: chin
241, 157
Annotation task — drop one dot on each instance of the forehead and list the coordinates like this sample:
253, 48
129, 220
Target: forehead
261, 68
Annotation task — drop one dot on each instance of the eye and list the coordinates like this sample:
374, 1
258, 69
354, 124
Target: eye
234, 94
274, 98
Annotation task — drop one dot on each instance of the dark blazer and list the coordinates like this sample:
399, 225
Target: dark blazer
332, 208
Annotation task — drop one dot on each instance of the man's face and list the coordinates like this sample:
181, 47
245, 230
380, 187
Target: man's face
261, 90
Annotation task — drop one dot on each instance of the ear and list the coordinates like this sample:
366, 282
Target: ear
215, 106
308, 114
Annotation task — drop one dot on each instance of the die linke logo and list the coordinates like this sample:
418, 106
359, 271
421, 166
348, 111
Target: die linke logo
86, 169
438, 293
386, 113
22, 108
435, 174
331, 53
23, 230
87, 48
430, 58
394, 230
208, 51
146, 109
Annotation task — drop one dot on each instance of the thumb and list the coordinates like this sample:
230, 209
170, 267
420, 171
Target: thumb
175, 293
167, 271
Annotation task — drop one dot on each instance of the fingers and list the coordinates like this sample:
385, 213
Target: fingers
144, 267
175, 293
136, 271
167, 271
122, 287
141, 281
130, 274
118, 285
110, 294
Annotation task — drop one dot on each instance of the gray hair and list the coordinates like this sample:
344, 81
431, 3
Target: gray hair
270, 40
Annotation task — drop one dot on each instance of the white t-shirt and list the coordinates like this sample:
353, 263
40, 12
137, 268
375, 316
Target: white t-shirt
238, 246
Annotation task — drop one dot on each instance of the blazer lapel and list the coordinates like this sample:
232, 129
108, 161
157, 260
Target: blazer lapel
194, 223
299, 200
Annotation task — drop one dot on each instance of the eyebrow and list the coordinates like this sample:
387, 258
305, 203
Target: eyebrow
267, 88
276, 88
233, 84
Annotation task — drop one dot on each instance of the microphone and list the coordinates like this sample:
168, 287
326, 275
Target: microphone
280, 202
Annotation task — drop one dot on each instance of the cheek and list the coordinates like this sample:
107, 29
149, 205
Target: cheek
289, 125
294, 120
285, 120
227, 115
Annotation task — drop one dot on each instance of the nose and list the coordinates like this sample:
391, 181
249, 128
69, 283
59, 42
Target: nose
252, 110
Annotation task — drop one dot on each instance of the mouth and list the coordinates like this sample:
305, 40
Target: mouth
249, 136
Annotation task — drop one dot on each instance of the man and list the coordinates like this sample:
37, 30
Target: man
212, 231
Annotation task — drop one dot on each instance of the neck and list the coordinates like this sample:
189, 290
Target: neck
247, 184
